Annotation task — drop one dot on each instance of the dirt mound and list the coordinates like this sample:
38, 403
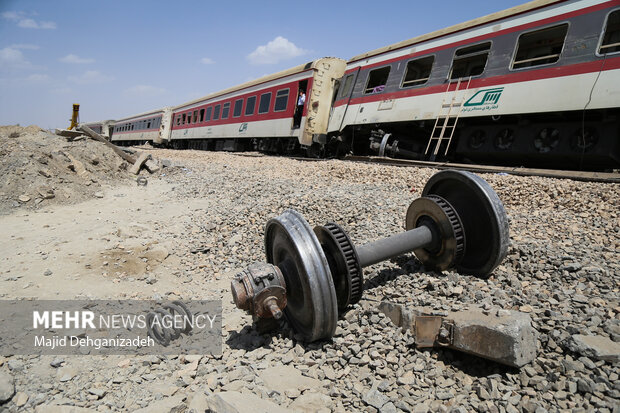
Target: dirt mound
38, 168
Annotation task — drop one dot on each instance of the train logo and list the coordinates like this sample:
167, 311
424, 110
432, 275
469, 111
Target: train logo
243, 127
485, 97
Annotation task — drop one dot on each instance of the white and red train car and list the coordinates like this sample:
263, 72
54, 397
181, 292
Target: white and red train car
141, 128
262, 114
538, 84
103, 128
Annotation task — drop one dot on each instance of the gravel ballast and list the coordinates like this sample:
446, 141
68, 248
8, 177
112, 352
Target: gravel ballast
562, 269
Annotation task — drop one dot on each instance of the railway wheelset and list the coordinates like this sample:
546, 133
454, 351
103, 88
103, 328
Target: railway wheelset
312, 275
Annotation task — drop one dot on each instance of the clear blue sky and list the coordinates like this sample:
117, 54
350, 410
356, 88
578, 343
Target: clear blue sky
119, 58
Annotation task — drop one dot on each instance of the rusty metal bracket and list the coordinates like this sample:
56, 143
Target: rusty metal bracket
445, 338
427, 330
433, 330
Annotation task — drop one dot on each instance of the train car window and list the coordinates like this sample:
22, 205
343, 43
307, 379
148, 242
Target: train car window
541, 47
237, 108
216, 112
611, 38
195, 118
225, 110
202, 115
183, 121
470, 60
265, 101
208, 115
418, 71
148, 125
281, 100
377, 79
249, 106
346, 89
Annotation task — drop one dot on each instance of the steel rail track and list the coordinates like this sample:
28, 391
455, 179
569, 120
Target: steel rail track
585, 176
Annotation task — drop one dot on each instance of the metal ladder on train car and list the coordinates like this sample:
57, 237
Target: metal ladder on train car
445, 123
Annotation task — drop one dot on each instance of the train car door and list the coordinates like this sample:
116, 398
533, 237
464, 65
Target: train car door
302, 87
350, 93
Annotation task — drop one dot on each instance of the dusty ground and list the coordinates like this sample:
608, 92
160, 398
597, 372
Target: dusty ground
197, 224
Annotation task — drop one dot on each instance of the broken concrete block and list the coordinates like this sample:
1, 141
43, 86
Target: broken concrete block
596, 347
503, 336
151, 166
507, 339
135, 168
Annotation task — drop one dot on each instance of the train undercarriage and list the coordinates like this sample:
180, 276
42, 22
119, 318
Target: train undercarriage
565, 140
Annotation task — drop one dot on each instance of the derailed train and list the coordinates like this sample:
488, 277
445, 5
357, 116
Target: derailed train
534, 85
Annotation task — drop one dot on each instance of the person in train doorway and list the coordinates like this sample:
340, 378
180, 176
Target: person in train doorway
299, 110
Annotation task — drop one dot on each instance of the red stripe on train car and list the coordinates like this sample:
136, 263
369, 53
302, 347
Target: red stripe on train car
287, 113
516, 77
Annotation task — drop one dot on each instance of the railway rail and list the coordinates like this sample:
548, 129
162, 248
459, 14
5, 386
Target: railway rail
585, 176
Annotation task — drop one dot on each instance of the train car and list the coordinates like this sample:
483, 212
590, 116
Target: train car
103, 128
142, 128
262, 114
535, 85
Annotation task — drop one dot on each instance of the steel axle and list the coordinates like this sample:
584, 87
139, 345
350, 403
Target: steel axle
459, 222
393, 246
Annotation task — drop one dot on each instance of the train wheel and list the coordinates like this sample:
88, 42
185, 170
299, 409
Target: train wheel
584, 139
314, 151
547, 139
504, 139
477, 139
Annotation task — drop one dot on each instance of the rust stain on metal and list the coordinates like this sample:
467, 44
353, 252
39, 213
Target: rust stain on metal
426, 330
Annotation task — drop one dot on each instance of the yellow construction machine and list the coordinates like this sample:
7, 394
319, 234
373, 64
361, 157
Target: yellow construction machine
75, 117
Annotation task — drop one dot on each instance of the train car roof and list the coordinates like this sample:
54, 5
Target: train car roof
284, 73
99, 121
140, 115
523, 8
